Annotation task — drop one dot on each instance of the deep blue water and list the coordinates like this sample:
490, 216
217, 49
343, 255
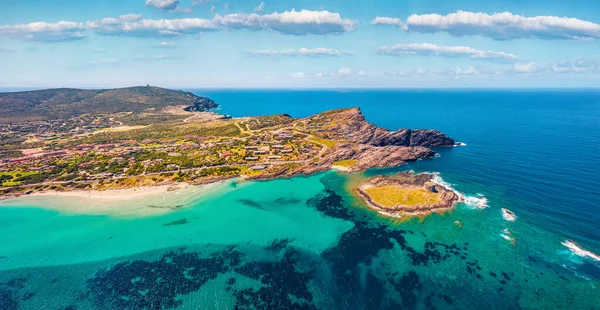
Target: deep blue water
538, 151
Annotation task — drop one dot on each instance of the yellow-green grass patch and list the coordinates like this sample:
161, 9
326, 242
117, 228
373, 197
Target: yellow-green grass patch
390, 196
14, 175
347, 163
326, 142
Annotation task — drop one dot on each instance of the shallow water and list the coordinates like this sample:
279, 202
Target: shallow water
306, 243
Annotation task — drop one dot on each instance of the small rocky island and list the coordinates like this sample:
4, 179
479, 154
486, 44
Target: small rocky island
407, 195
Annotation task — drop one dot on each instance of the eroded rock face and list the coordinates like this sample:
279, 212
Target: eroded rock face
429, 137
370, 156
375, 147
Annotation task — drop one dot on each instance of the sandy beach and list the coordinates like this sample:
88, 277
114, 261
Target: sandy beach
129, 202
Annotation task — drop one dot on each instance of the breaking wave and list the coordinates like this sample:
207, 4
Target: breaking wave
479, 201
579, 251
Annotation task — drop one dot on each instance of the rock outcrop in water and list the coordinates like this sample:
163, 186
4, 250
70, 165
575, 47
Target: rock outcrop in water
407, 194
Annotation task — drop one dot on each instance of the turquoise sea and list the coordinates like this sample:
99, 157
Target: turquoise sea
306, 243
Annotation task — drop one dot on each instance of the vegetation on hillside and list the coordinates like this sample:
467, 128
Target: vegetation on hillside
66, 102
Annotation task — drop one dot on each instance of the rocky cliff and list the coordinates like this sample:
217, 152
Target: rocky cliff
367, 145
367, 133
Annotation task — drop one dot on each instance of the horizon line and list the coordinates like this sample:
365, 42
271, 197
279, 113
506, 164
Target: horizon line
34, 88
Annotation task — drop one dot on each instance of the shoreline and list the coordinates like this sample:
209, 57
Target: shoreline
113, 194
140, 201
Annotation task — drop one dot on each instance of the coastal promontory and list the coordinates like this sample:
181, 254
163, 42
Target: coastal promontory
148, 136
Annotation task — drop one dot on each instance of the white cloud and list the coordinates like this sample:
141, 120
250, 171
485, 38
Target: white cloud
389, 21
289, 22
504, 26
444, 51
167, 45
342, 72
167, 5
42, 31
103, 61
580, 65
409, 73
260, 8
459, 71
316, 52
299, 75
156, 57
525, 68
202, 2
133, 25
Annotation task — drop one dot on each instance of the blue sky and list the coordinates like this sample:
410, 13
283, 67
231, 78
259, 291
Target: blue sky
299, 44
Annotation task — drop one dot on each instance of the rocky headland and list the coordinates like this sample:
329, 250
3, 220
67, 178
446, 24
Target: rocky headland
366, 146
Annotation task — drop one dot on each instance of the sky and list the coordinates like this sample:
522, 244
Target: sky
300, 43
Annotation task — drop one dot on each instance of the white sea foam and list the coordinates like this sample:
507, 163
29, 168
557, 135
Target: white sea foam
437, 155
508, 215
579, 251
460, 144
506, 234
479, 201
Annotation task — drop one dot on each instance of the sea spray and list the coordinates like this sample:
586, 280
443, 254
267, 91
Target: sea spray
508, 215
579, 251
478, 202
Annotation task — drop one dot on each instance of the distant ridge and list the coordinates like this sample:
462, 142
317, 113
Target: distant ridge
59, 103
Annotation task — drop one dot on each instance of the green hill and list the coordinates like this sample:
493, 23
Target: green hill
66, 102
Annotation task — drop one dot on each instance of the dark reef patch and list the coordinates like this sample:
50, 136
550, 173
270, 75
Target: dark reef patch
251, 203
284, 287
350, 262
8, 299
178, 222
287, 201
11, 293
156, 284
408, 287
278, 245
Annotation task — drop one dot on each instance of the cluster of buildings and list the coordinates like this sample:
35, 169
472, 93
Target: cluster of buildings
52, 129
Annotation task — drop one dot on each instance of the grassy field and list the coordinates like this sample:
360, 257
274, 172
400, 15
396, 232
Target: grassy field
6, 178
327, 143
159, 131
390, 196
348, 163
